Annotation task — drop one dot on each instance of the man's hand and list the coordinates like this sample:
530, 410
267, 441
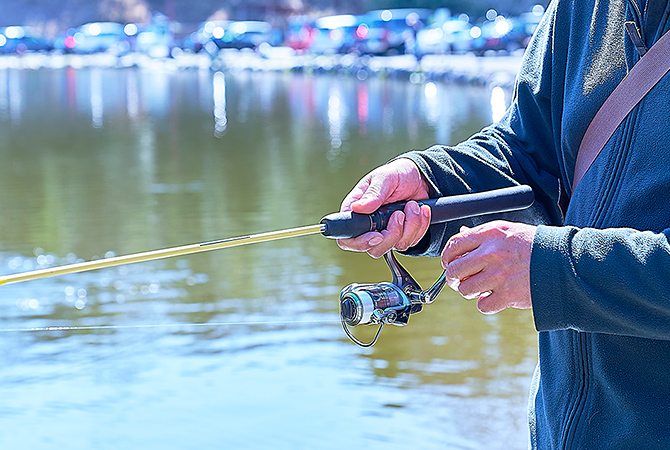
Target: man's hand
491, 262
398, 180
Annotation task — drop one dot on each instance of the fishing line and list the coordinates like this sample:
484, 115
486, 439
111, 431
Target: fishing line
162, 325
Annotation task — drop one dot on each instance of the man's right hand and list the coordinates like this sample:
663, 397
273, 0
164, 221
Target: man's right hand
399, 180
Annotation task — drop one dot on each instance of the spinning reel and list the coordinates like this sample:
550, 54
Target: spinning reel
385, 303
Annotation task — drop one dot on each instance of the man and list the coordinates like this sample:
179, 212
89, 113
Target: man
597, 278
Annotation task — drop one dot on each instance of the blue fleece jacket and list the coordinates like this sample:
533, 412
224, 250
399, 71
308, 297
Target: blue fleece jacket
599, 276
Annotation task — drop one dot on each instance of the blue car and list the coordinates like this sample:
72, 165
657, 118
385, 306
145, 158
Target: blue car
19, 40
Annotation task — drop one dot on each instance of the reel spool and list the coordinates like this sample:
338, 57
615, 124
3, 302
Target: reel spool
386, 302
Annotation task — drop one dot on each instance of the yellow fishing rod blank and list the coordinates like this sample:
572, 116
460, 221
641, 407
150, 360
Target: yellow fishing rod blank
159, 254
339, 225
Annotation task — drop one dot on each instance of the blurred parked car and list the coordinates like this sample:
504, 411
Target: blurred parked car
214, 35
247, 34
299, 33
19, 40
500, 34
154, 39
391, 31
450, 36
334, 34
206, 36
95, 37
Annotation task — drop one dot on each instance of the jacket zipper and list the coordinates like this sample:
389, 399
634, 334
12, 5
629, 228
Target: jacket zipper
636, 36
634, 28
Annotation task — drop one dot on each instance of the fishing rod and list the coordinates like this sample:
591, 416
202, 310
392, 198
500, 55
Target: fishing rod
360, 304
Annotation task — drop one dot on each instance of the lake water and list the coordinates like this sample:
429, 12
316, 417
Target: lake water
237, 348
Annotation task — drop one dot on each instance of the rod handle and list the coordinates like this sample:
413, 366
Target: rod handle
348, 224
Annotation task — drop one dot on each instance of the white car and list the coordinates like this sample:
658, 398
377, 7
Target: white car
100, 37
450, 36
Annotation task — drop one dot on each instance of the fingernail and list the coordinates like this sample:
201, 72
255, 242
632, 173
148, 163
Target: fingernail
375, 240
400, 218
414, 208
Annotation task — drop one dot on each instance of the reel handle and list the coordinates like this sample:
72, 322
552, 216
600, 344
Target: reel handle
349, 224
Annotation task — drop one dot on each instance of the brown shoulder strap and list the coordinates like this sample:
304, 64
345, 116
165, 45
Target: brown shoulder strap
636, 84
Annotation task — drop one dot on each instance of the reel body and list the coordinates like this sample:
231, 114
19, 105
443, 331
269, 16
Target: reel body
364, 304
385, 302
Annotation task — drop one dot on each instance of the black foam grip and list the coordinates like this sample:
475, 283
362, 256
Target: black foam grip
349, 224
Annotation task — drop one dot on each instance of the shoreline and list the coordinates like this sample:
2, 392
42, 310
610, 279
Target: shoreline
468, 68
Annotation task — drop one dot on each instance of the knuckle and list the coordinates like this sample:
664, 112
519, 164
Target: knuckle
451, 272
451, 247
377, 253
468, 289
401, 246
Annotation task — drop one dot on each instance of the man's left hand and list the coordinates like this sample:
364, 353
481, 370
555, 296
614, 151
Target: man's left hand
491, 262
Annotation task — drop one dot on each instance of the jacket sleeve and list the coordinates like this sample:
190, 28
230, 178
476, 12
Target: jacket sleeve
520, 149
607, 281
602, 280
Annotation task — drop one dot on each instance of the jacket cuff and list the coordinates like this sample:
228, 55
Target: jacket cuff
549, 277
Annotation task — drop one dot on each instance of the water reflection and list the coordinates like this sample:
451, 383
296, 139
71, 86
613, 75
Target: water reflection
97, 108
132, 97
11, 94
362, 107
4, 95
220, 119
498, 105
129, 160
336, 117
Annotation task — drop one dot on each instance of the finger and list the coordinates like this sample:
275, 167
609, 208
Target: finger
425, 223
375, 195
496, 300
355, 194
464, 275
459, 244
361, 243
472, 286
492, 302
391, 234
412, 227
